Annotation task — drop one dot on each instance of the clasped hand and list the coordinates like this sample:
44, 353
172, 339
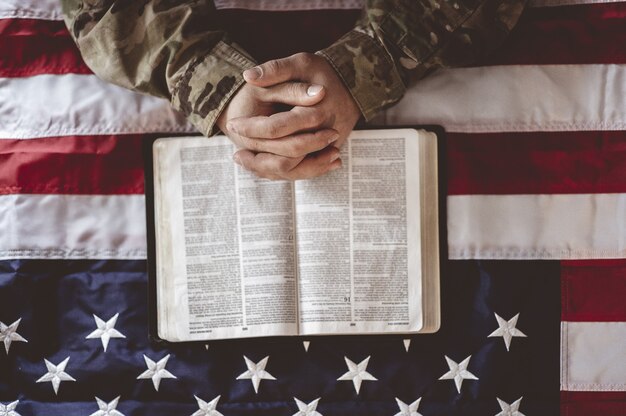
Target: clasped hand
290, 118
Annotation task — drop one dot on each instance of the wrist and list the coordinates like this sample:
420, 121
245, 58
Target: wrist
207, 87
372, 80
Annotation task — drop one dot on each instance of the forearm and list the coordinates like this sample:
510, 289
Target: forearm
162, 48
399, 41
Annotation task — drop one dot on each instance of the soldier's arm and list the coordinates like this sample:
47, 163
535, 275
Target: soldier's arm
163, 48
397, 41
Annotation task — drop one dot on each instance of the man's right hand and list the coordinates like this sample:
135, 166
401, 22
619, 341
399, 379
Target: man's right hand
337, 111
252, 101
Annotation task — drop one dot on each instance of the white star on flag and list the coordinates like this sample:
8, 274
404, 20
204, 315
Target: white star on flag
458, 372
56, 374
107, 409
510, 409
307, 409
156, 371
256, 372
9, 334
106, 330
9, 409
207, 409
357, 373
507, 330
408, 409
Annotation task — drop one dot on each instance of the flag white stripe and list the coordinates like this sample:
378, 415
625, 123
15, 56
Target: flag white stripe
72, 227
486, 99
31, 9
51, 9
593, 356
518, 98
555, 3
570, 226
71, 104
479, 226
288, 5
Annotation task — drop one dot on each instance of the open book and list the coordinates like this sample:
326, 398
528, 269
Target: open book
355, 251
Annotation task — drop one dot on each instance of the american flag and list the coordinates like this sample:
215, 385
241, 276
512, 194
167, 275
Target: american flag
533, 293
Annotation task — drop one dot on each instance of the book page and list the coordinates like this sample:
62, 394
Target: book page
358, 239
225, 245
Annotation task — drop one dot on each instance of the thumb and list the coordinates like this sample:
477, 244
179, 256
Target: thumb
278, 70
294, 93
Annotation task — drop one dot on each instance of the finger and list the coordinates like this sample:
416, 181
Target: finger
316, 164
279, 70
294, 93
297, 145
278, 125
265, 165
273, 167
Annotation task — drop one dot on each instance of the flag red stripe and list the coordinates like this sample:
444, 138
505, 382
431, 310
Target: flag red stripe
580, 34
593, 291
32, 47
537, 162
593, 403
281, 34
507, 163
593, 263
72, 165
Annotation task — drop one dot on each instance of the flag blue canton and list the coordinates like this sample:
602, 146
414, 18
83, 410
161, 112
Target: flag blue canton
64, 307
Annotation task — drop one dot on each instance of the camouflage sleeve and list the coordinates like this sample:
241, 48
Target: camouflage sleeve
398, 41
163, 48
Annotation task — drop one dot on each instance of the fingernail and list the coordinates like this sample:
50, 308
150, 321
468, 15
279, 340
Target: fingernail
236, 159
335, 157
334, 167
253, 73
313, 90
333, 138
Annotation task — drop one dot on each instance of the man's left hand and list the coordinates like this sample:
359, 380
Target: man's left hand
337, 111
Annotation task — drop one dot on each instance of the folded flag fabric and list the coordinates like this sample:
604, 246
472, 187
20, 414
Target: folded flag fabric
534, 318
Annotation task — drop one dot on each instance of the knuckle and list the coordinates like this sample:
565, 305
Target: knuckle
315, 118
257, 145
265, 172
332, 166
273, 130
322, 137
251, 144
254, 168
297, 149
271, 67
261, 174
297, 90
304, 58
255, 92
283, 166
245, 165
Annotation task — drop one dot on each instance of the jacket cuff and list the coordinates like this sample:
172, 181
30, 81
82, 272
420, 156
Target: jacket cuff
367, 70
209, 83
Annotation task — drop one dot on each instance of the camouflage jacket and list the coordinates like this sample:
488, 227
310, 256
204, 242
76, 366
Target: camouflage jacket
167, 48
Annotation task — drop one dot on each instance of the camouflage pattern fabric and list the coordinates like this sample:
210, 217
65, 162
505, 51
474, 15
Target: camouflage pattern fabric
163, 48
399, 41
